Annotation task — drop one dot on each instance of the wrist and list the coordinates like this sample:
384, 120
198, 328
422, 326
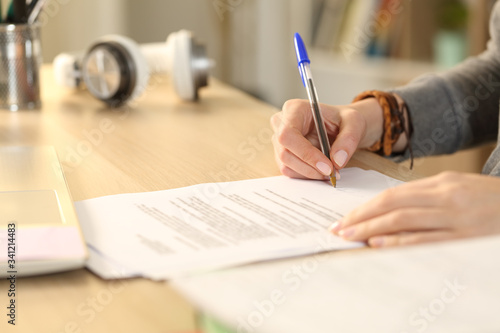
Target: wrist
374, 117
372, 112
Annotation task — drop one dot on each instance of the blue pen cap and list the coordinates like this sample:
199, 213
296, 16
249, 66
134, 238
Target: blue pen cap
300, 50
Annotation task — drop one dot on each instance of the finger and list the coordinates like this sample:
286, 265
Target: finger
399, 197
411, 238
276, 121
286, 171
352, 129
296, 133
402, 220
427, 192
293, 141
287, 160
296, 114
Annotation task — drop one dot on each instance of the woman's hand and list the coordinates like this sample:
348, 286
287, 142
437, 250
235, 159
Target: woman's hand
296, 143
447, 206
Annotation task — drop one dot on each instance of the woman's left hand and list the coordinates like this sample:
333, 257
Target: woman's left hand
447, 206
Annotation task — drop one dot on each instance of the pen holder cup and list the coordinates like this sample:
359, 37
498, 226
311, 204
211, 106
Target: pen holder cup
20, 61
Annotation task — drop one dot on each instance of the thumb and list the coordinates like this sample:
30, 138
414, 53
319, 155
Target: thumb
352, 129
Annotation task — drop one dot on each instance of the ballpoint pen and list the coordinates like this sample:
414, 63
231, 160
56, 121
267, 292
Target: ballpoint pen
307, 81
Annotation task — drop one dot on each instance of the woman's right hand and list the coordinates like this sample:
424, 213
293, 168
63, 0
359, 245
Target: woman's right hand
296, 143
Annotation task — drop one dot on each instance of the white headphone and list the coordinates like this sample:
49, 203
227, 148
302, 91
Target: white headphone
116, 70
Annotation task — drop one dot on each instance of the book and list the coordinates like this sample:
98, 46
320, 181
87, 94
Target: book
358, 29
330, 23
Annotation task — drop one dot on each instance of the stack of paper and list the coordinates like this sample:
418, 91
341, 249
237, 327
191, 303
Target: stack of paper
164, 234
432, 288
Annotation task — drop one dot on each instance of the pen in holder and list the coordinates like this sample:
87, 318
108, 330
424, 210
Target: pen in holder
20, 61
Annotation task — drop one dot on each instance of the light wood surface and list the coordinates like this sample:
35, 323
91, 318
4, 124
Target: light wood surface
160, 143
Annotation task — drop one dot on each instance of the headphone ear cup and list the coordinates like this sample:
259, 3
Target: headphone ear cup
180, 64
188, 64
115, 70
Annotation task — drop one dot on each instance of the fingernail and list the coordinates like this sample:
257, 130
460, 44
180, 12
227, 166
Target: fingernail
376, 242
347, 233
324, 168
335, 227
340, 157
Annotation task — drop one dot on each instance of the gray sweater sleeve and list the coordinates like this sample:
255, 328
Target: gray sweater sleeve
458, 108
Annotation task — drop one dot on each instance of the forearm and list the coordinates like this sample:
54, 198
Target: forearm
456, 109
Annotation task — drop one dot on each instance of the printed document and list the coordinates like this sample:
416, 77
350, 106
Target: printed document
166, 234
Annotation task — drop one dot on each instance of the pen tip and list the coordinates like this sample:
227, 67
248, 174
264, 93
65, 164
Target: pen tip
333, 180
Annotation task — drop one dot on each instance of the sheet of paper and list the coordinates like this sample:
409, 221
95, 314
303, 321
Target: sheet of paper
433, 288
165, 234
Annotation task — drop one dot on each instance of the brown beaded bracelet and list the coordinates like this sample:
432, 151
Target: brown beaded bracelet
394, 122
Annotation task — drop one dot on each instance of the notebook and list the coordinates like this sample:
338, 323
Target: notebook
39, 229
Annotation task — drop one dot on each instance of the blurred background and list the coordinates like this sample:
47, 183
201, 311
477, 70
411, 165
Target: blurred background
354, 44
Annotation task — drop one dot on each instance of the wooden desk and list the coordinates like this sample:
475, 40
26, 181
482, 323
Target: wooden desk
161, 143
